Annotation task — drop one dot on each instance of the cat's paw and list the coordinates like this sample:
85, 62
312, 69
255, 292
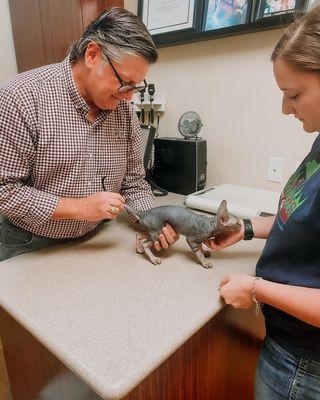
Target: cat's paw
139, 244
156, 260
207, 264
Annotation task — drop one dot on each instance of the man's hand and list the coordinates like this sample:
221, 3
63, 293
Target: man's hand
102, 205
166, 238
96, 207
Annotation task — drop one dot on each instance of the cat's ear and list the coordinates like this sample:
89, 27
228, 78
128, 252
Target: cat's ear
222, 214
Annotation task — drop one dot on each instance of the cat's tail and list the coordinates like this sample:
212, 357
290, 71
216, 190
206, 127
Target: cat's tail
131, 210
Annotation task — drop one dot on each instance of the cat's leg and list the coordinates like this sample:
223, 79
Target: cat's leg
143, 245
205, 252
195, 247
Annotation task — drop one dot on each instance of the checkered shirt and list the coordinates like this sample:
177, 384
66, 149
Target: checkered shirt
49, 149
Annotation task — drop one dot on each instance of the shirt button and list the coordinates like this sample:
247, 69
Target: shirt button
89, 183
90, 155
80, 232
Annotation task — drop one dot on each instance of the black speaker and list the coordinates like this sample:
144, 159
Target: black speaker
180, 165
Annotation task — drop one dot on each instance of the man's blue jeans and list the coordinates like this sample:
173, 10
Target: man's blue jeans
15, 241
281, 375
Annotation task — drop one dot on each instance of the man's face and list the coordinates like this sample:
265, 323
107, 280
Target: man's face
101, 83
301, 94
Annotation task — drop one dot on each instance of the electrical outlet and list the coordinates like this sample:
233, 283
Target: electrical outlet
275, 169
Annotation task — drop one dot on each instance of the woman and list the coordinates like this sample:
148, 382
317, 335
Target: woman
288, 271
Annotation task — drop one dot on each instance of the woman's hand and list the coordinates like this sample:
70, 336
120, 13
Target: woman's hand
224, 240
166, 238
236, 290
261, 229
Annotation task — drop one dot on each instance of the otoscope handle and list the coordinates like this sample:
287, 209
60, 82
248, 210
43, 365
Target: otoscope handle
151, 90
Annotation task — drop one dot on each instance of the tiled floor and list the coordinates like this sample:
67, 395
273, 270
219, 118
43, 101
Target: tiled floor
4, 385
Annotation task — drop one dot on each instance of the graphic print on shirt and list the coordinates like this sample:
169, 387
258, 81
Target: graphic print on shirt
293, 195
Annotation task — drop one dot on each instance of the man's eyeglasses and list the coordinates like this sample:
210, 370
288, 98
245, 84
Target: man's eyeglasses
124, 87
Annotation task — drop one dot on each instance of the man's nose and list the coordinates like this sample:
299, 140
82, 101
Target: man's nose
127, 95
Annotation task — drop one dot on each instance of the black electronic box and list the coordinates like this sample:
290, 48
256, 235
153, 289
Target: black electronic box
180, 165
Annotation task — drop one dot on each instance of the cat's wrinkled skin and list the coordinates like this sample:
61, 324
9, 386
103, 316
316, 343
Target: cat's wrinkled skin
196, 228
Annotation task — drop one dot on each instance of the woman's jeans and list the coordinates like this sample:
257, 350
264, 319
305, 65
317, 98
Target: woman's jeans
281, 375
15, 241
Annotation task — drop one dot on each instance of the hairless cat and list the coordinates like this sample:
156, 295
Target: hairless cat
196, 228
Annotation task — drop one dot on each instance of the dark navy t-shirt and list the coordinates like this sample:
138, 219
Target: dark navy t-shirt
292, 254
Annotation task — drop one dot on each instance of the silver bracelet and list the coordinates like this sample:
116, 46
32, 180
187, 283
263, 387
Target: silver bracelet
254, 298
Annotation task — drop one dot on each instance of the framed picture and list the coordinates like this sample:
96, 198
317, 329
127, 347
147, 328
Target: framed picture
272, 8
225, 13
164, 16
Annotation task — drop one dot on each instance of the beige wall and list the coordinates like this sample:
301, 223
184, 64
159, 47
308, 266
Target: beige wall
229, 82
8, 64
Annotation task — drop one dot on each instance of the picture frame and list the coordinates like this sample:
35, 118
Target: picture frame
277, 8
164, 16
220, 14
255, 17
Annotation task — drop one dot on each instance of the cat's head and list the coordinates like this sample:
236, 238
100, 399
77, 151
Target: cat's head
226, 222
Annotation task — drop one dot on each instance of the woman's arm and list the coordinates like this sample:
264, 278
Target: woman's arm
300, 302
261, 228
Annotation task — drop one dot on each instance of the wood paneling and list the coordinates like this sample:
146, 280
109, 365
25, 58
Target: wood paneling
61, 26
44, 30
4, 382
217, 363
27, 33
91, 9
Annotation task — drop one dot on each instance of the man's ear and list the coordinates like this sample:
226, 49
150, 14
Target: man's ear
92, 54
222, 214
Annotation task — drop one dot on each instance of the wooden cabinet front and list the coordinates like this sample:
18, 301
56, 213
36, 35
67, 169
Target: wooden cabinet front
44, 30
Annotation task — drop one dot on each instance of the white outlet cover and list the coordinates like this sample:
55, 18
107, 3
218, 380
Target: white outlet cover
275, 169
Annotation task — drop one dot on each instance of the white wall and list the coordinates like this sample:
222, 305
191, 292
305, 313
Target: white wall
8, 64
230, 83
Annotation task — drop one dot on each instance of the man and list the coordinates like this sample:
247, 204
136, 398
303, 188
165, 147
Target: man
66, 126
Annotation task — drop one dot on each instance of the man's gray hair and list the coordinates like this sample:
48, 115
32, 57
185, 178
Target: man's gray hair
118, 32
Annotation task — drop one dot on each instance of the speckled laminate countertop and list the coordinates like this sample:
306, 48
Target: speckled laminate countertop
106, 312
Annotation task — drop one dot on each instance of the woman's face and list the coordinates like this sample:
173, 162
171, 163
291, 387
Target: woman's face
301, 94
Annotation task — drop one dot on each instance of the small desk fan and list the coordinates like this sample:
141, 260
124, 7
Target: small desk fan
190, 124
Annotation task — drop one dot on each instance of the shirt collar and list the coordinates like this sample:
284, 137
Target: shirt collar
72, 89
76, 98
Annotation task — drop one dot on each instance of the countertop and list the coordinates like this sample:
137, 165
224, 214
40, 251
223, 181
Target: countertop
106, 312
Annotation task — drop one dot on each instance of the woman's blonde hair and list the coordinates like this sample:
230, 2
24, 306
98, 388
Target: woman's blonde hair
300, 43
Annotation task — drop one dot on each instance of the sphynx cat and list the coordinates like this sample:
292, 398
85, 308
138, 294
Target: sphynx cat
196, 228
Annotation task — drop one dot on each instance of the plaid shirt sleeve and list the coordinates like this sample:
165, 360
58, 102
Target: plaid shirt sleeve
135, 189
18, 142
